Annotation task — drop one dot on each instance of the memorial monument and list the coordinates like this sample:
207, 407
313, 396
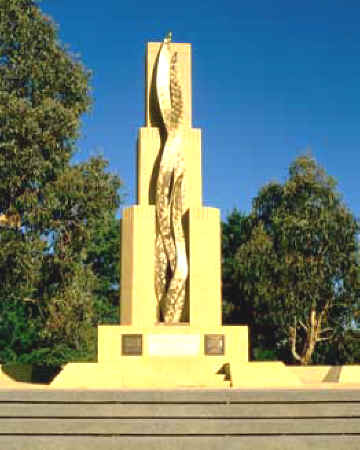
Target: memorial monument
170, 332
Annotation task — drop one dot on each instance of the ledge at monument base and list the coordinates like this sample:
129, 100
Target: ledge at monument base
349, 374
174, 372
262, 374
274, 373
151, 373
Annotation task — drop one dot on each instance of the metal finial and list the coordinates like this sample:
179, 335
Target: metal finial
168, 37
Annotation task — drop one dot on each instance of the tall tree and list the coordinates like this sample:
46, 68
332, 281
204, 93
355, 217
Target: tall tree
235, 232
49, 208
238, 306
104, 256
298, 272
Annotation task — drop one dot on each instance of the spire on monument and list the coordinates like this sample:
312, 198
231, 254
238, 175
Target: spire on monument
168, 38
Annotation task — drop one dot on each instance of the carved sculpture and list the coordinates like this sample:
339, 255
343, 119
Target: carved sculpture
171, 258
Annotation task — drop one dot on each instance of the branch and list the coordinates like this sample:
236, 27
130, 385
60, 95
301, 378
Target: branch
312, 319
327, 306
327, 338
303, 325
326, 329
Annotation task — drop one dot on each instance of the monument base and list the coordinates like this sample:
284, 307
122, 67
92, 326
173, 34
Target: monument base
175, 373
159, 356
173, 356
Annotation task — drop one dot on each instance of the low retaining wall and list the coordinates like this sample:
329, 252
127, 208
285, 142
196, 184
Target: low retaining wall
182, 419
317, 374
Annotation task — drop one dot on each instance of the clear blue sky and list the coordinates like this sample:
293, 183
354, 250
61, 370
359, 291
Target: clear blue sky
270, 79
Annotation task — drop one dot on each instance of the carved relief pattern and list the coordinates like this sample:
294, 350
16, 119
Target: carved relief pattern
171, 260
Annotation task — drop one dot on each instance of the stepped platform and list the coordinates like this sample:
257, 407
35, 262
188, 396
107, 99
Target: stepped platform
211, 419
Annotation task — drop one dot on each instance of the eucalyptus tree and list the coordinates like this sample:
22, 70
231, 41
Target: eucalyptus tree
296, 273
48, 206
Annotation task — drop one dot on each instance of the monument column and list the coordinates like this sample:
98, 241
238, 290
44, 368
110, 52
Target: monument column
170, 332
202, 225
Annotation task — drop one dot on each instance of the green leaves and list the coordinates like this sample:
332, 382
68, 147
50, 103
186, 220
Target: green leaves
44, 91
298, 260
49, 291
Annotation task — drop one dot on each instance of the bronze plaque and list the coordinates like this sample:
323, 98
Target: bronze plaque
214, 344
131, 344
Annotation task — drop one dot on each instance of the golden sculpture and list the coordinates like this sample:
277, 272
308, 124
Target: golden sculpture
171, 258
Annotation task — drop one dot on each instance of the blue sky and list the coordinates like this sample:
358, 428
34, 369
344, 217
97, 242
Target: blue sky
270, 80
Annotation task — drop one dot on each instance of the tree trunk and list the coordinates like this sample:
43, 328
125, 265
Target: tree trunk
312, 330
311, 339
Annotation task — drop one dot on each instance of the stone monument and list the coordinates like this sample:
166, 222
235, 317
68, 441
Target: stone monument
170, 333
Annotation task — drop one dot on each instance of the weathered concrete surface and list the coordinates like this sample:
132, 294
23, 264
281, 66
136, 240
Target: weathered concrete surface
181, 443
178, 419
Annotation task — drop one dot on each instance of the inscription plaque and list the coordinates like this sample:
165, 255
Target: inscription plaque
214, 344
174, 345
131, 344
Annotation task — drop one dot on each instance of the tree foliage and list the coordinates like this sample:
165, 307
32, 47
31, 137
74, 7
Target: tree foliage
50, 209
295, 271
103, 253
